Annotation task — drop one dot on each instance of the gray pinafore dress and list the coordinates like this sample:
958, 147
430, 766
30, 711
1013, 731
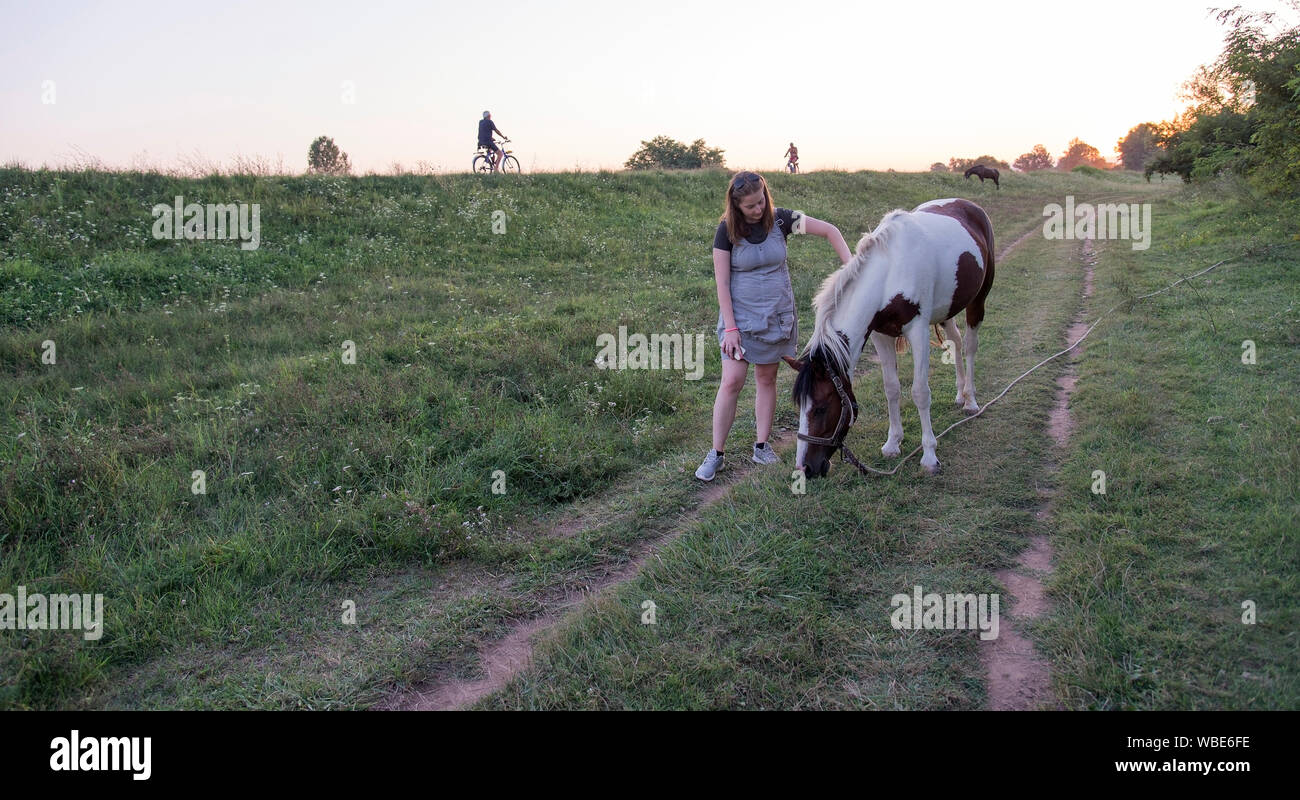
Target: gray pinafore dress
762, 300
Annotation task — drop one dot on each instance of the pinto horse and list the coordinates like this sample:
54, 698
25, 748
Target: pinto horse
916, 269
984, 172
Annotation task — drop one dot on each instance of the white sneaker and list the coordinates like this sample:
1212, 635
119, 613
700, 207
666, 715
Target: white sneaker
765, 455
712, 463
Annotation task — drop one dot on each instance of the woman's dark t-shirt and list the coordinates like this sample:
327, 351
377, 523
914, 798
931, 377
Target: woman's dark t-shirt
785, 220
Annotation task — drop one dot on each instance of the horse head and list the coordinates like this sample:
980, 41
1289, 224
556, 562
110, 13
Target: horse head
827, 408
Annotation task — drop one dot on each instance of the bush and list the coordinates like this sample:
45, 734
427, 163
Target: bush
325, 157
662, 152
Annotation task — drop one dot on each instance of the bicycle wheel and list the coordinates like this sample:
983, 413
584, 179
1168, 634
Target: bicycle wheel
510, 164
482, 164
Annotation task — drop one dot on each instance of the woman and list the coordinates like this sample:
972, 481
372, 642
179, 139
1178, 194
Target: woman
756, 314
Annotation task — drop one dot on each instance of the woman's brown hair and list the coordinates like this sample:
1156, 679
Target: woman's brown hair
742, 185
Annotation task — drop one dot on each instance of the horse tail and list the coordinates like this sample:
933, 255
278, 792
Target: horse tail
975, 309
900, 343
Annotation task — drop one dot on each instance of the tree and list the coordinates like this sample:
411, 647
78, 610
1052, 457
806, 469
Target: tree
1138, 145
1258, 77
963, 164
1035, 159
325, 157
1201, 146
663, 152
1080, 153
706, 156
1244, 115
938, 166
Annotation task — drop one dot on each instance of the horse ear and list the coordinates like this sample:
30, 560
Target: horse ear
797, 366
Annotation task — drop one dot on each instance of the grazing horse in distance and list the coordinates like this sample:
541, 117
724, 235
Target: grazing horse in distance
917, 268
984, 172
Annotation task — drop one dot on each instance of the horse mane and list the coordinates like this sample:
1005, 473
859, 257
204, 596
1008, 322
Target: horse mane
827, 300
828, 346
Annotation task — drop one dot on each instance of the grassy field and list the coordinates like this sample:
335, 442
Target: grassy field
371, 483
1202, 458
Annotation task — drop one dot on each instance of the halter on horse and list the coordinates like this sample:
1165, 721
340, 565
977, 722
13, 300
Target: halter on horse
915, 269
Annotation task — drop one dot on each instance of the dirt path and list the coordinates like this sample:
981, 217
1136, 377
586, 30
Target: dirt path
1018, 676
507, 657
1007, 250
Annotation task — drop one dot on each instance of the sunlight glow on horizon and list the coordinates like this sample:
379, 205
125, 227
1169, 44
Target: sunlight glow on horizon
580, 84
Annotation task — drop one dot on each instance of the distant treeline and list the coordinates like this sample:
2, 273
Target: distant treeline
1077, 153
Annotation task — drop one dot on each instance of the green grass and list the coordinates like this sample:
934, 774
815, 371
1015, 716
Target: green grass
778, 600
329, 482
1201, 456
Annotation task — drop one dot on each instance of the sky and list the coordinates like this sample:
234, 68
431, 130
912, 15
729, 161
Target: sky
856, 85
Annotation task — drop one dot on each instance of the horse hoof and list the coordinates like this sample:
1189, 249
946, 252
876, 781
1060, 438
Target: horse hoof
890, 452
975, 409
933, 470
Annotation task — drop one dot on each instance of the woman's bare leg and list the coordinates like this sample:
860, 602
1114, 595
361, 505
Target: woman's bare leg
724, 406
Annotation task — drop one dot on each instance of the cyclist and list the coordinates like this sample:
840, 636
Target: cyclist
485, 129
792, 157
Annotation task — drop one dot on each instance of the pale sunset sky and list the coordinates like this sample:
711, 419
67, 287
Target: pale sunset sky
856, 85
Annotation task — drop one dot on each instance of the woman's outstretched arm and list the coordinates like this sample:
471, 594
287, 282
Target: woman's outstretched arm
831, 234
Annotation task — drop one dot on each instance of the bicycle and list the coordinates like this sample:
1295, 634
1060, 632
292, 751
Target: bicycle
483, 161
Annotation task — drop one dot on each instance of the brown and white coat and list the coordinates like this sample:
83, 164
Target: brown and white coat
916, 269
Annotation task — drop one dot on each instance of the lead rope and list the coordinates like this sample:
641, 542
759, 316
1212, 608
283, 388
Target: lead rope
846, 455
